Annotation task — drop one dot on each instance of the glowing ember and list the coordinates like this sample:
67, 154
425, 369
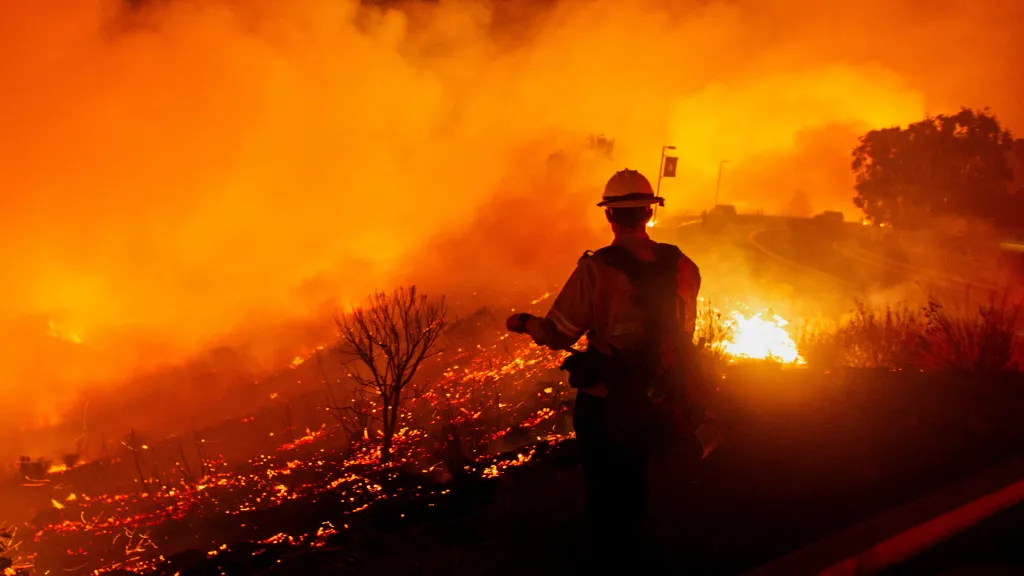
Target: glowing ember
542, 298
757, 337
487, 392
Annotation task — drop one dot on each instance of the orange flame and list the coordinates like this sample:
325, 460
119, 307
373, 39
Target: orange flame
761, 338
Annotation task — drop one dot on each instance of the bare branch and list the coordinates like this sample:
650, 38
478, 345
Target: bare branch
386, 341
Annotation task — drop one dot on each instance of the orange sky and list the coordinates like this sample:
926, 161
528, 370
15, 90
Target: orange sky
174, 171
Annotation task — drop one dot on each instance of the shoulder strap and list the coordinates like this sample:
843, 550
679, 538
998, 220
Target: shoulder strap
667, 256
665, 263
621, 259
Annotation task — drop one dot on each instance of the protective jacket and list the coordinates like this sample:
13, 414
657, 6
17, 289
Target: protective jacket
599, 300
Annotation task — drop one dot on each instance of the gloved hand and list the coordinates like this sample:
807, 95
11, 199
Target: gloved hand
517, 323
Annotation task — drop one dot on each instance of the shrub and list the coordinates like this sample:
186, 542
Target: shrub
712, 331
929, 338
866, 338
985, 341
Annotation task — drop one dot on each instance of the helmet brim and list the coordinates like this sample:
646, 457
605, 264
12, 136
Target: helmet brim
632, 203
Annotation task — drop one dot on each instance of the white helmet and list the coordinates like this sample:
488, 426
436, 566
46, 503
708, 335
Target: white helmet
629, 189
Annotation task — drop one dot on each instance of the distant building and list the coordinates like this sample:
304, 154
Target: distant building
725, 211
830, 217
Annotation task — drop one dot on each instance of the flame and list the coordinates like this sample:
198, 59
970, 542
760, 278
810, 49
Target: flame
761, 338
56, 468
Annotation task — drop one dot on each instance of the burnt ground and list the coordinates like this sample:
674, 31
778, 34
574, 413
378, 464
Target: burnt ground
808, 454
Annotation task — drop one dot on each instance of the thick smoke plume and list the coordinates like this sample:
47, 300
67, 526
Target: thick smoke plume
177, 174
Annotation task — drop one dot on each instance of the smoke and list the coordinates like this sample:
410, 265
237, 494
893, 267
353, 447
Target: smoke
180, 172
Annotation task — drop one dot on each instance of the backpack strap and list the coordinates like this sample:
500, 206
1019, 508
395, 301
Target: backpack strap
622, 260
666, 259
668, 255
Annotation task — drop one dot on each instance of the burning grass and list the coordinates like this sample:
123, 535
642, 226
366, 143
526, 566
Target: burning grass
744, 334
486, 399
491, 406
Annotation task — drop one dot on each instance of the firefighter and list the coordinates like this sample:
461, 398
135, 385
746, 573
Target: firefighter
635, 300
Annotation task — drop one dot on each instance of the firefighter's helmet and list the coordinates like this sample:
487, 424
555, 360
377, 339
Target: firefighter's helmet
629, 189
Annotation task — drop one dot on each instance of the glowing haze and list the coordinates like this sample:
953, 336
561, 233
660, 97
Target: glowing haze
173, 170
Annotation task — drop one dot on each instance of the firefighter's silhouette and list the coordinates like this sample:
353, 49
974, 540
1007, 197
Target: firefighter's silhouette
636, 301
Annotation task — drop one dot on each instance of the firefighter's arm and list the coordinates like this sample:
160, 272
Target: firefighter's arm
569, 317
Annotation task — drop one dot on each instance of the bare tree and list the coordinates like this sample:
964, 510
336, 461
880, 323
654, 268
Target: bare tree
385, 341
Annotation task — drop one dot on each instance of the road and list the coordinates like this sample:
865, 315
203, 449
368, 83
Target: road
993, 547
816, 258
749, 254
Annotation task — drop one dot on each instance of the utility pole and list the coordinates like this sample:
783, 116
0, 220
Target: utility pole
718, 185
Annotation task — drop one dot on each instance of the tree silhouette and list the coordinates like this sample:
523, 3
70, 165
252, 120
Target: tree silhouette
941, 166
385, 341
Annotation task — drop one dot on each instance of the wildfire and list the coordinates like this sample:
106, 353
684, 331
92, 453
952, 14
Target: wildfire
312, 466
760, 338
300, 360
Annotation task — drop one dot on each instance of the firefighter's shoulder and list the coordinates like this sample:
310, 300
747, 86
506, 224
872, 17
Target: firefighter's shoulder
586, 255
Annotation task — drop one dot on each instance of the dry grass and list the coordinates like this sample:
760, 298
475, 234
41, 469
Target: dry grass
929, 338
867, 338
712, 331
